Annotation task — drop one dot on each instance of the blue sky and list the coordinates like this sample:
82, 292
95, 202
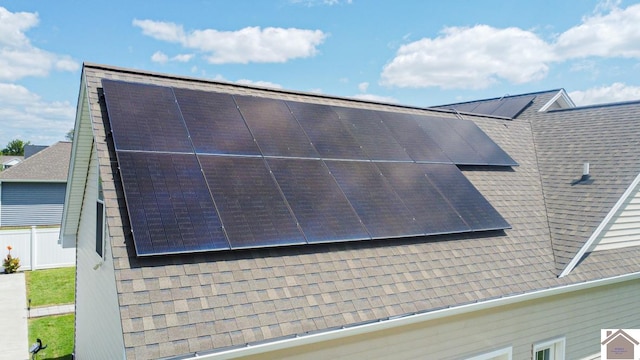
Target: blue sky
419, 53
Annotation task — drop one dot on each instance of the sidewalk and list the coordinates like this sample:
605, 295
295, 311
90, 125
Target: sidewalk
13, 313
52, 310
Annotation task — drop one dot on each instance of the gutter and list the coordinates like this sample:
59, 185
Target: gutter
407, 320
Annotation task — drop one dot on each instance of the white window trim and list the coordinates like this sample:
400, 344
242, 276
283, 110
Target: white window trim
556, 345
491, 355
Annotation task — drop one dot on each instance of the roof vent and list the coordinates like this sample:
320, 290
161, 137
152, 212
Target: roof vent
585, 178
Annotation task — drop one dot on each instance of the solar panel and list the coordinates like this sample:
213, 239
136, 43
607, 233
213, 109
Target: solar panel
426, 203
512, 106
323, 211
253, 211
478, 140
372, 134
327, 133
215, 124
378, 206
414, 140
454, 146
170, 208
474, 209
144, 117
275, 129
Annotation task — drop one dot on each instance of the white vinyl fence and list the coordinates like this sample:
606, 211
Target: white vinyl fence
37, 248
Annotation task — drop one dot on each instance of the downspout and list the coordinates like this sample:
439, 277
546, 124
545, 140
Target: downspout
407, 320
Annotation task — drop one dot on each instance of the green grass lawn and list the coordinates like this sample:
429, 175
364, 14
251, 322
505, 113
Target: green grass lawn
56, 332
51, 286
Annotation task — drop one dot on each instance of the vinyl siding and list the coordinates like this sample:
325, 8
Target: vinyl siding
97, 311
27, 204
578, 317
624, 229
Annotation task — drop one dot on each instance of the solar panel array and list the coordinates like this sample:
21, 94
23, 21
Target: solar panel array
508, 107
205, 171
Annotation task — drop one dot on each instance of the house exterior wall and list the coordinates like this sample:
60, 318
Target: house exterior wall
27, 203
624, 229
98, 327
576, 316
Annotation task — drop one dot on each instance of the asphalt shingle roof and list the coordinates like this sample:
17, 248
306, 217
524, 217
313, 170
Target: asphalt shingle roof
50, 164
178, 304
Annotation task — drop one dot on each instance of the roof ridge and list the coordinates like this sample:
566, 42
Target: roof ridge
501, 97
595, 106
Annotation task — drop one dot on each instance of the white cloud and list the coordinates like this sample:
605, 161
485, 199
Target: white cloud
162, 58
363, 86
469, 57
615, 92
18, 57
24, 115
250, 44
159, 57
376, 98
616, 34
477, 57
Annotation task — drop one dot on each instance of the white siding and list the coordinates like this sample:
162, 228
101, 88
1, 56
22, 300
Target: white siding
98, 326
578, 317
624, 229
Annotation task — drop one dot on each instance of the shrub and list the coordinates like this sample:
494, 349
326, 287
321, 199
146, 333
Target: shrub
10, 263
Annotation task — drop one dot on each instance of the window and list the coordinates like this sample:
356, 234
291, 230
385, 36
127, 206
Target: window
100, 228
549, 350
501, 354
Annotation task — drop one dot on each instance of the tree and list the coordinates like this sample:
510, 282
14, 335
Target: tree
15, 147
69, 135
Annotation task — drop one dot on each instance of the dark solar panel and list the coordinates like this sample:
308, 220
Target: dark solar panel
252, 209
474, 209
327, 133
276, 130
430, 208
170, 208
482, 143
214, 123
512, 106
372, 134
144, 117
322, 210
378, 206
415, 141
454, 146
483, 107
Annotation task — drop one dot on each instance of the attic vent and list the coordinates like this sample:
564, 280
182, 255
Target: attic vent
585, 178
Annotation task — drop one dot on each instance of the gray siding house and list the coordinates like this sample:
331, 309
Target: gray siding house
566, 266
32, 192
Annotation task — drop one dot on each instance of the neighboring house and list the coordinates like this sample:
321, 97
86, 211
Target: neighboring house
7, 161
554, 258
32, 192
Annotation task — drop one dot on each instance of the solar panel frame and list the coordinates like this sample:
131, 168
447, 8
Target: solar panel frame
320, 206
422, 198
274, 127
381, 210
468, 202
329, 136
456, 147
170, 208
253, 210
144, 117
491, 152
215, 124
412, 138
372, 134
